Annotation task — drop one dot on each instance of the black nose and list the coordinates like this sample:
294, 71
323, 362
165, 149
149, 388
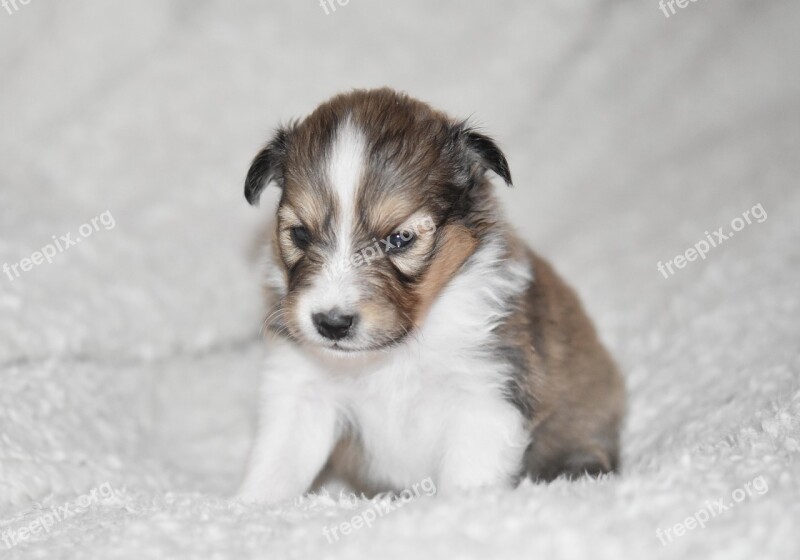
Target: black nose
333, 324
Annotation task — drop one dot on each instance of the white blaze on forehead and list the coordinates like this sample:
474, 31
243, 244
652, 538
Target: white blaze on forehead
345, 169
336, 285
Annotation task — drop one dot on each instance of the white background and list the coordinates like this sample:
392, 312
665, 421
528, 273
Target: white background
133, 358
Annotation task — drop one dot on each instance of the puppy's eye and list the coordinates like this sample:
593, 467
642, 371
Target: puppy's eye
301, 237
400, 241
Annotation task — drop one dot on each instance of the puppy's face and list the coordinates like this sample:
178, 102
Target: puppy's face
382, 203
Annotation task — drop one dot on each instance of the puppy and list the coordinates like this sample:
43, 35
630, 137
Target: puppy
413, 335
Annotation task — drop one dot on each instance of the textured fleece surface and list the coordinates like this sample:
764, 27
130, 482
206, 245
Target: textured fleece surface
129, 364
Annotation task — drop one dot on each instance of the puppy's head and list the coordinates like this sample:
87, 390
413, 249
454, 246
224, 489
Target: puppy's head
383, 200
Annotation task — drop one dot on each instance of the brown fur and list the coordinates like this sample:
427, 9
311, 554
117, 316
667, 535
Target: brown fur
567, 383
456, 246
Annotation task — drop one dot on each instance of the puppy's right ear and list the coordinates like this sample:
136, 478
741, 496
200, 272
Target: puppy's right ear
267, 166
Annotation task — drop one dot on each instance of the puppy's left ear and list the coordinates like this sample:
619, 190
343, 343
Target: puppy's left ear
482, 153
267, 166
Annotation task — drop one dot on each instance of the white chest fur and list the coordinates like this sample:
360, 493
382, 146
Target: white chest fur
414, 414
431, 407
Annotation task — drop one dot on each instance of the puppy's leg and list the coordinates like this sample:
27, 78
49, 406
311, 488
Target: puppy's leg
565, 446
297, 431
485, 446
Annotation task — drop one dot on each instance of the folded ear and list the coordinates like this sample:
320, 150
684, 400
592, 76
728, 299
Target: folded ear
483, 153
267, 166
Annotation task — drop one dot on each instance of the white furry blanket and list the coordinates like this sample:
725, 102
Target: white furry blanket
129, 346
